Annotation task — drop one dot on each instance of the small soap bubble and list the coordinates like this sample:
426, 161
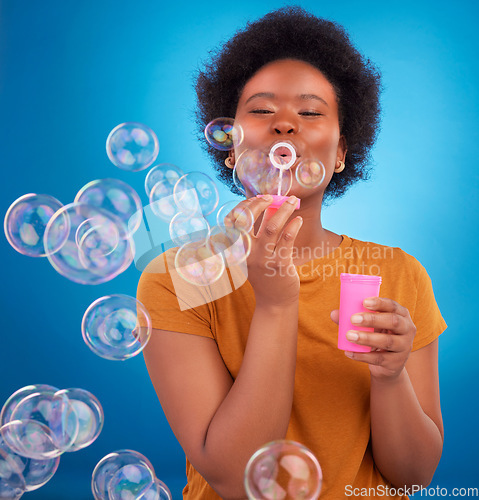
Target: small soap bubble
233, 244
255, 173
231, 214
90, 416
157, 491
162, 200
132, 146
185, 228
196, 193
131, 481
114, 196
310, 173
26, 220
107, 468
35, 473
94, 251
197, 264
116, 327
224, 134
162, 172
283, 470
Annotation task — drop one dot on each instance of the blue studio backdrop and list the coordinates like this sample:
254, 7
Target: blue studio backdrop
71, 71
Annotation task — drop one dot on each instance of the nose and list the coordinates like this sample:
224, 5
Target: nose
284, 123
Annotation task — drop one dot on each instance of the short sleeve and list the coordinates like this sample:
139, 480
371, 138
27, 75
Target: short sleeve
168, 309
426, 316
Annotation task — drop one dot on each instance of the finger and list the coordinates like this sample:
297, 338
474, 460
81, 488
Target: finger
284, 247
335, 316
386, 341
381, 321
378, 358
274, 220
381, 304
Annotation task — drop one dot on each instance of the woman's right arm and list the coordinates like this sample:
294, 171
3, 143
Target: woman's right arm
221, 422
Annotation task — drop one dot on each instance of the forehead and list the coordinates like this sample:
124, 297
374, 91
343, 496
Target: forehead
289, 77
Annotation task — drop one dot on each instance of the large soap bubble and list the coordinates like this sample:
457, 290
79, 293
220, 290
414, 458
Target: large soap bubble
283, 470
12, 402
43, 425
132, 146
90, 416
35, 473
116, 327
94, 251
254, 173
123, 468
26, 220
197, 264
162, 172
223, 134
114, 196
195, 193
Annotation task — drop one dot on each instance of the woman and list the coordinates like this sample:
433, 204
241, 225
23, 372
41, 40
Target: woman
236, 370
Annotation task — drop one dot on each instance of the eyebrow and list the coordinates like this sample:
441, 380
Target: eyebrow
270, 95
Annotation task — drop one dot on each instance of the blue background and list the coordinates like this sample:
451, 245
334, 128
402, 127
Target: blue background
70, 71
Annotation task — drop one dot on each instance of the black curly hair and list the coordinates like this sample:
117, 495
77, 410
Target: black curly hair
293, 33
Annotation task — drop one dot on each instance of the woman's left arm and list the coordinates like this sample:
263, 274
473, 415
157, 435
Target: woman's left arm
406, 422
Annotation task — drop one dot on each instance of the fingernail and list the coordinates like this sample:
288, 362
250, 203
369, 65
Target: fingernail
292, 200
356, 318
369, 302
352, 336
348, 354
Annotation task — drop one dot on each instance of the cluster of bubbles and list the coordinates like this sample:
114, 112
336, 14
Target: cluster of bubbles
283, 470
116, 327
127, 475
37, 424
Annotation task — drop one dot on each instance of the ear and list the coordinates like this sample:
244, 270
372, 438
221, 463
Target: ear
232, 158
342, 148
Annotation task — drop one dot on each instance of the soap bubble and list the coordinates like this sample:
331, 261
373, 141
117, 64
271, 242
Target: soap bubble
90, 416
310, 173
185, 228
131, 481
233, 244
12, 402
255, 173
138, 466
94, 251
283, 470
162, 172
114, 196
231, 214
162, 200
12, 482
34, 473
43, 425
111, 327
197, 264
26, 220
132, 146
195, 192
224, 134
157, 491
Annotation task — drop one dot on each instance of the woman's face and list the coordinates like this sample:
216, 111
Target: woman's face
290, 100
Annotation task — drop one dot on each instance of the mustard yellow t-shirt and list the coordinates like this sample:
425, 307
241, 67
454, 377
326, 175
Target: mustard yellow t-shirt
330, 414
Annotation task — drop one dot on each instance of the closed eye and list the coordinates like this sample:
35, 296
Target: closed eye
310, 113
261, 111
